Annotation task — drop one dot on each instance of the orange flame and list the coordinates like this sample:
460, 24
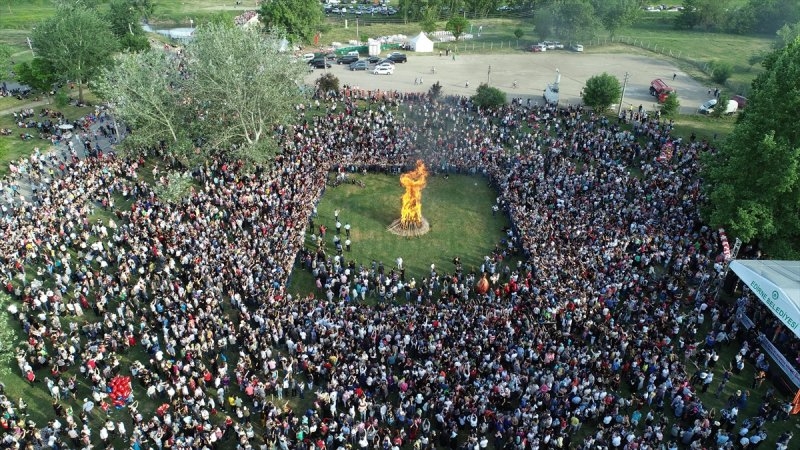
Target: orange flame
414, 182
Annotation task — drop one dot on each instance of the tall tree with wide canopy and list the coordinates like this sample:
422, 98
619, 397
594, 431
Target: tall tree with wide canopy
231, 90
76, 42
300, 19
753, 182
616, 14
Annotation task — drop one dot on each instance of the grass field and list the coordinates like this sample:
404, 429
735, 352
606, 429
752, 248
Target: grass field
458, 209
13, 147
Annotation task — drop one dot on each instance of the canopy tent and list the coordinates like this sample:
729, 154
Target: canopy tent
776, 284
420, 43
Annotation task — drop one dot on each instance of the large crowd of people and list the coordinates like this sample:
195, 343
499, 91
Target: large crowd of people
589, 339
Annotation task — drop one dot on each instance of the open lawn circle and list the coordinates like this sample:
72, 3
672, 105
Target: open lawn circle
457, 207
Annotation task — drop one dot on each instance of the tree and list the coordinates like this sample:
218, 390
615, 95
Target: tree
457, 25
428, 22
707, 14
753, 182
233, 87
721, 71
671, 105
328, 82
721, 106
300, 19
601, 91
518, 33
435, 91
568, 19
616, 14
75, 42
488, 97
38, 74
787, 34
123, 17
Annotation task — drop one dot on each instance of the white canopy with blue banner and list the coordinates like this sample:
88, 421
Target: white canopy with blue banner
776, 284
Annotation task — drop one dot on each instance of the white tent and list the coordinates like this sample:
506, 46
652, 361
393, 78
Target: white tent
420, 43
776, 284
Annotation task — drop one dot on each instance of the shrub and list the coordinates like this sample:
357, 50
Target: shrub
601, 91
435, 91
489, 97
671, 105
721, 71
327, 83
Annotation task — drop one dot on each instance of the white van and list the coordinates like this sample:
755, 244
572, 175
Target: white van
353, 53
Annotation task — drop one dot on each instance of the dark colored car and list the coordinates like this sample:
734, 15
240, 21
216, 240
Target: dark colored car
359, 65
374, 59
397, 57
347, 59
319, 63
331, 56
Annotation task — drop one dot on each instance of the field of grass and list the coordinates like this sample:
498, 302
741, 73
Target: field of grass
13, 148
458, 209
696, 49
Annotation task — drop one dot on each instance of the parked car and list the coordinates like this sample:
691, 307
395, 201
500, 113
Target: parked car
558, 45
319, 63
383, 70
359, 65
577, 48
536, 48
331, 56
347, 59
308, 57
374, 59
740, 100
708, 106
397, 57
550, 45
386, 62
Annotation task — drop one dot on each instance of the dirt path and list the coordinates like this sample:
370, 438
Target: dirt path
532, 71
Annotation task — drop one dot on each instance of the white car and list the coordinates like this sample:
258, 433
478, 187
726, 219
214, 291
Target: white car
308, 57
383, 70
384, 64
577, 48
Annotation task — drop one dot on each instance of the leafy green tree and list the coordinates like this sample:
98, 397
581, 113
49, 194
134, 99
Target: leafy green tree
123, 17
457, 25
601, 91
328, 82
721, 71
518, 33
568, 19
764, 16
671, 105
301, 19
616, 14
239, 87
788, 33
435, 91
721, 106
428, 22
488, 97
706, 14
76, 42
38, 74
753, 182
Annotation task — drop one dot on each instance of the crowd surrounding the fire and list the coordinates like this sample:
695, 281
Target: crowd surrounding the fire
589, 326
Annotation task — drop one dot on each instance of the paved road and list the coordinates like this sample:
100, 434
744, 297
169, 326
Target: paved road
533, 71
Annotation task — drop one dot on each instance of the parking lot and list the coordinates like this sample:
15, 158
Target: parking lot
532, 71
